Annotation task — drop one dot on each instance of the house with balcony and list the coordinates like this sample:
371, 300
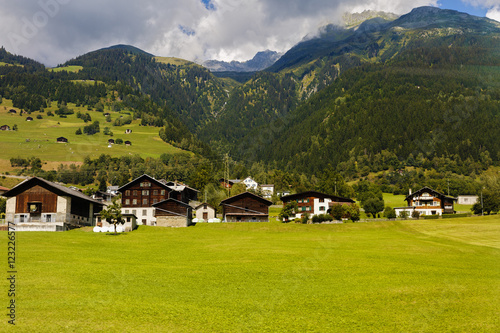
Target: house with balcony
313, 202
37, 204
427, 201
245, 207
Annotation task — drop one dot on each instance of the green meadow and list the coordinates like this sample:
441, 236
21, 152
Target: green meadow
38, 137
409, 276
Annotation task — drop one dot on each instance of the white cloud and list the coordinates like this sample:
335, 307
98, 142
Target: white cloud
494, 13
232, 30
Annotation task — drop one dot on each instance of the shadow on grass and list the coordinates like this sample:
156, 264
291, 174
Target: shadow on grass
117, 234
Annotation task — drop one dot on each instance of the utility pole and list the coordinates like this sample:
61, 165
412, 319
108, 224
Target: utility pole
226, 175
482, 206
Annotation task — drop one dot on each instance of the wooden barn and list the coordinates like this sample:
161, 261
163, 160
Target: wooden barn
5, 128
39, 205
12, 111
29, 118
62, 139
111, 142
245, 207
128, 143
173, 213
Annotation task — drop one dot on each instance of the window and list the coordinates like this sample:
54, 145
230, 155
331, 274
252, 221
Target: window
127, 192
126, 211
134, 202
128, 218
155, 192
144, 212
322, 208
34, 207
308, 208
127, 201
321, 200
155, 201
145, 192
134, 212
144, 201
204, 206
162, 192
134, 193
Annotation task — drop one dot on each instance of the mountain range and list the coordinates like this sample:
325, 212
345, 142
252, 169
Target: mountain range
380, 91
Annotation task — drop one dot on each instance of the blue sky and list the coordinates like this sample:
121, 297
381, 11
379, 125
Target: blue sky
461, 7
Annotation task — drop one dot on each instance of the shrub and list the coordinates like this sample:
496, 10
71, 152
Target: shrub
415, 214
431, 217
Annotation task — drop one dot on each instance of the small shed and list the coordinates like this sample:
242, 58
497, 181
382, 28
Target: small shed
128, 131
129, 222
5, 128
111, 142
12, 111
205, 212
62, 139
107, 114
173, 213
128, 143
29, 118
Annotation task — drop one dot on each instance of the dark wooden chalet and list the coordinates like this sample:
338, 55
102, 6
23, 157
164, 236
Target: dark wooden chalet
111, 141
173, 213
430, 202
29, 118
37, 204
139, 196
245, 207
12, 111
62, 139
5, 128
128, 143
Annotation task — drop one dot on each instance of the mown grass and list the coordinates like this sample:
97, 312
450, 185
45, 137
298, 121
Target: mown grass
70, 69
38, 137
419, 276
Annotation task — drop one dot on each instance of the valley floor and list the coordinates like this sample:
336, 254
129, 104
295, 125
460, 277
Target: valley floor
411, 276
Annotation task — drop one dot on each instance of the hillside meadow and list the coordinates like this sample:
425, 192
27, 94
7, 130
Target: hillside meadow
38, 137
411, 276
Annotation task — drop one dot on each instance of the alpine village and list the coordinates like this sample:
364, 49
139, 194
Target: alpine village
388, 124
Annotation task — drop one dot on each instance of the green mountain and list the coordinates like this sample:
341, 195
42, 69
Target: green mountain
424, 86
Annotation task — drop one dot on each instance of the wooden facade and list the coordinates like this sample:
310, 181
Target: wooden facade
143, 192
38, 204
245, 207
173, 213
140, 195
430, 202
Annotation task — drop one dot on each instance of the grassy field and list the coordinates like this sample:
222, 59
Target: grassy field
38, 137
71, 69
422, 276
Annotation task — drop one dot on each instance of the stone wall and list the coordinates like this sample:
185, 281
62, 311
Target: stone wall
172, 221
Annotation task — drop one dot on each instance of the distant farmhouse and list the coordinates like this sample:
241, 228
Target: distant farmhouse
62, 139
427, 201
29, 118
39, 205
5, 128
467, 199
314, 203
245, 207
267, 189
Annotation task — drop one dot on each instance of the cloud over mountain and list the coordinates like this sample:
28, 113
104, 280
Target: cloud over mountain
53, 31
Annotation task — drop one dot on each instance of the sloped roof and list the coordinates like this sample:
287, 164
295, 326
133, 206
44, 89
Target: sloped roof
208, 205
56, 188
430, 190
147, 177
246, 194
